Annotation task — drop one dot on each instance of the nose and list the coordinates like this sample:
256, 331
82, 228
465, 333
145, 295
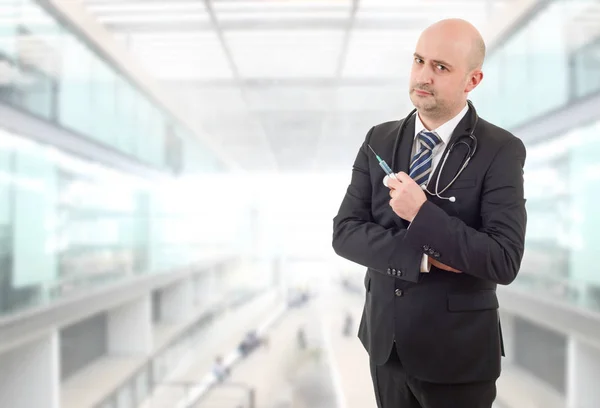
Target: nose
424, 75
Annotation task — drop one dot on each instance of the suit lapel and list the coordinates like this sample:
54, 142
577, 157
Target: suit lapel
404, 153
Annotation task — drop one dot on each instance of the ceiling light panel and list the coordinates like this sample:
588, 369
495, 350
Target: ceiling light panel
146, 7
284, 15
477, 12
199, 17
285, 54
181, 55
300, 5
379, 54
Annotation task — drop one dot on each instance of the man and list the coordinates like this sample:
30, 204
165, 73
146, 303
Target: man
430, 322
220, 371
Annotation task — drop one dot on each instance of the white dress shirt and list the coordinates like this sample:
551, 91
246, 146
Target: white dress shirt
444, 132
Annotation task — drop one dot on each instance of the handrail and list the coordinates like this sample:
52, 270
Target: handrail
210, 380
214, 311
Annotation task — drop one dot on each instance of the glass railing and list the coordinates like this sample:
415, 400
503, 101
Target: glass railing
140, 385
67, 225
49, 71
562, 180
549, 62
580, 293
157, 368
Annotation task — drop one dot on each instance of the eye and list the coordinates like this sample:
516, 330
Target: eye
418, 60
441, 67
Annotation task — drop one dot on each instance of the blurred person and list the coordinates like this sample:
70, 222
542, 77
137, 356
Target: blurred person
301, 338
437, 236
249, 343
348, 322
220, 371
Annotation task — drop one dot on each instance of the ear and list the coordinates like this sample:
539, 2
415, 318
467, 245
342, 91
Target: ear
474, 79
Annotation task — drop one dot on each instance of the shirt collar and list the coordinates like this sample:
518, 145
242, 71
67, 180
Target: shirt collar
445, 130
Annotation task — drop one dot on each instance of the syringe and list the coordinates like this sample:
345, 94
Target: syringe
383, 164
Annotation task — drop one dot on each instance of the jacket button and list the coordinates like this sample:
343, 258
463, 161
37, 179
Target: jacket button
436, 255
399, 273
425, 247
431, 251
389, 271
399, 292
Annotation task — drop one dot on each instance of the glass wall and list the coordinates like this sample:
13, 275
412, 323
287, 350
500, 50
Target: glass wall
139, 387
50, 72
68, 224
562, 179
553, 59
548, 63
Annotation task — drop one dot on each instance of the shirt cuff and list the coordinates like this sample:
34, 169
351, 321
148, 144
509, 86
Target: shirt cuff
425, 267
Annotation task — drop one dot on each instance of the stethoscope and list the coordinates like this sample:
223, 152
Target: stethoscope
472, 146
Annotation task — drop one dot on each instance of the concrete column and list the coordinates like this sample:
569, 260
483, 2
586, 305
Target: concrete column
30, 375
583, 374
278, 279
176, 302
211, 285
508, 334
202, 288
130, 328
217, 278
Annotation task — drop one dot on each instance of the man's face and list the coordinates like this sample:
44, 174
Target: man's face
439, 74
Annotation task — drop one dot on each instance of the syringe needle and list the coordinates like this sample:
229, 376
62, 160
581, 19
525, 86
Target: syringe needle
383, 164
372, 150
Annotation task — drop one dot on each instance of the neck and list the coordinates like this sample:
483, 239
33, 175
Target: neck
433, 121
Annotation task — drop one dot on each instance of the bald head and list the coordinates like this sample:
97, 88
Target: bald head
446, 68
465, 38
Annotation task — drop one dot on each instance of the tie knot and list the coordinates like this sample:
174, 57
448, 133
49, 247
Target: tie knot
428, 139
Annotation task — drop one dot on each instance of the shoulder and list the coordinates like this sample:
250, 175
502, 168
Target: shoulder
495, 138
385, 131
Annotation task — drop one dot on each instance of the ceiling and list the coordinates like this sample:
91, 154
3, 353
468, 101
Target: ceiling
290, 86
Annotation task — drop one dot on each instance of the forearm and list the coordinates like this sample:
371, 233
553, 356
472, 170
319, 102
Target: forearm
371, 245
487, 253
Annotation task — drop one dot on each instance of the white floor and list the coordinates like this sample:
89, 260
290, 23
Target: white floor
274, 372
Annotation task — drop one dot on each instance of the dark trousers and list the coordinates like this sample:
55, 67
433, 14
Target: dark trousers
395, 389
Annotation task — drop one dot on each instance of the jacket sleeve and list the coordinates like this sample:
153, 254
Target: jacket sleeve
358, 238
494, 252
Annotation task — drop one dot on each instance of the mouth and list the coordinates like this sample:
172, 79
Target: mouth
422, 93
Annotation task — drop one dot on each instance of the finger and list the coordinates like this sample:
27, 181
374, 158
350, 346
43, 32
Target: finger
394, 184
403, 177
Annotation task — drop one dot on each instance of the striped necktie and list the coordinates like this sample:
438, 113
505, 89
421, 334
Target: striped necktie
420, 165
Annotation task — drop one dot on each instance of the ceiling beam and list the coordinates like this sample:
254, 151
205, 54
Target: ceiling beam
294, 82
108, 9
346, 41
260, 25
510, 21
236, 73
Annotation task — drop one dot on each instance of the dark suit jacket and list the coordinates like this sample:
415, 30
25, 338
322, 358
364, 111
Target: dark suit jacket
445, 325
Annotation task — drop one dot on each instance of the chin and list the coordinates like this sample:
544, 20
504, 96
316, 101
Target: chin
422, 105
415, 101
